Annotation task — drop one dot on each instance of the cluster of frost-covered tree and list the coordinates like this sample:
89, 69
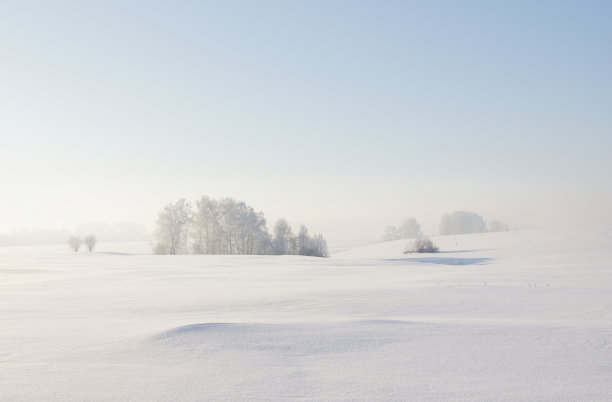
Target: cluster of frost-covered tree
227, 226
285, 242
408, 229
462, 222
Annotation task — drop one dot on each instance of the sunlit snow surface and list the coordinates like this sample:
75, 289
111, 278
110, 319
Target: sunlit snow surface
502, 316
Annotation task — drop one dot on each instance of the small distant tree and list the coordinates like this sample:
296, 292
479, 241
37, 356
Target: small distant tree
304, 242
496, 226
283, 241
409, 228
206, 228
422, 244
90, 242
319, 246
391, 233
75, 243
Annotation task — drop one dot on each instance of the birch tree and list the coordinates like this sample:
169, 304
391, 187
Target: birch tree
172, 228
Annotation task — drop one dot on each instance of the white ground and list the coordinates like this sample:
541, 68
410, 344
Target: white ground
506, 316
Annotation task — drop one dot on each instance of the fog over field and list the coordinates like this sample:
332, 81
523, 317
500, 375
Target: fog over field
346, 116
321, 200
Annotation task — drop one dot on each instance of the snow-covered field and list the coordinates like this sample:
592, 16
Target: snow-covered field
504, 316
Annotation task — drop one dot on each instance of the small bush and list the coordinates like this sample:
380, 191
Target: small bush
422, 244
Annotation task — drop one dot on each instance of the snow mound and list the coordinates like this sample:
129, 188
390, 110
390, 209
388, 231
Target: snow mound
198, 330
382, 359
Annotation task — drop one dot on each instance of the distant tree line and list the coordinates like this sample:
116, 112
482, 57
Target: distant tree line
460, 222
227, 226
463, 222
457, 222
497, 226
408, 229
34, 237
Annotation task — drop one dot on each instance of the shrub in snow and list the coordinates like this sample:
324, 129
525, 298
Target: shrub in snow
75, 243
422, 244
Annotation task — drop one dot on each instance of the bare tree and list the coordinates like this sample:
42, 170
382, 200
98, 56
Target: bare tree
90, 242
283, 238
304, 242
75, 243
319, 246
263, 243
206, 227
172, 228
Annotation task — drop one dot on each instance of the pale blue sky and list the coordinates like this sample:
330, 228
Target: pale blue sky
341, 114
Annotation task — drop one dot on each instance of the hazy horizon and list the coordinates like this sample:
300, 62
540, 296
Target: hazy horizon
345, 116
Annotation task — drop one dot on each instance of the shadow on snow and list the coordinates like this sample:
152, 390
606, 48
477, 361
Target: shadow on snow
445, 260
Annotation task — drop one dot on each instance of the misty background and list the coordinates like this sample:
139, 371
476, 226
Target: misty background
347, 116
